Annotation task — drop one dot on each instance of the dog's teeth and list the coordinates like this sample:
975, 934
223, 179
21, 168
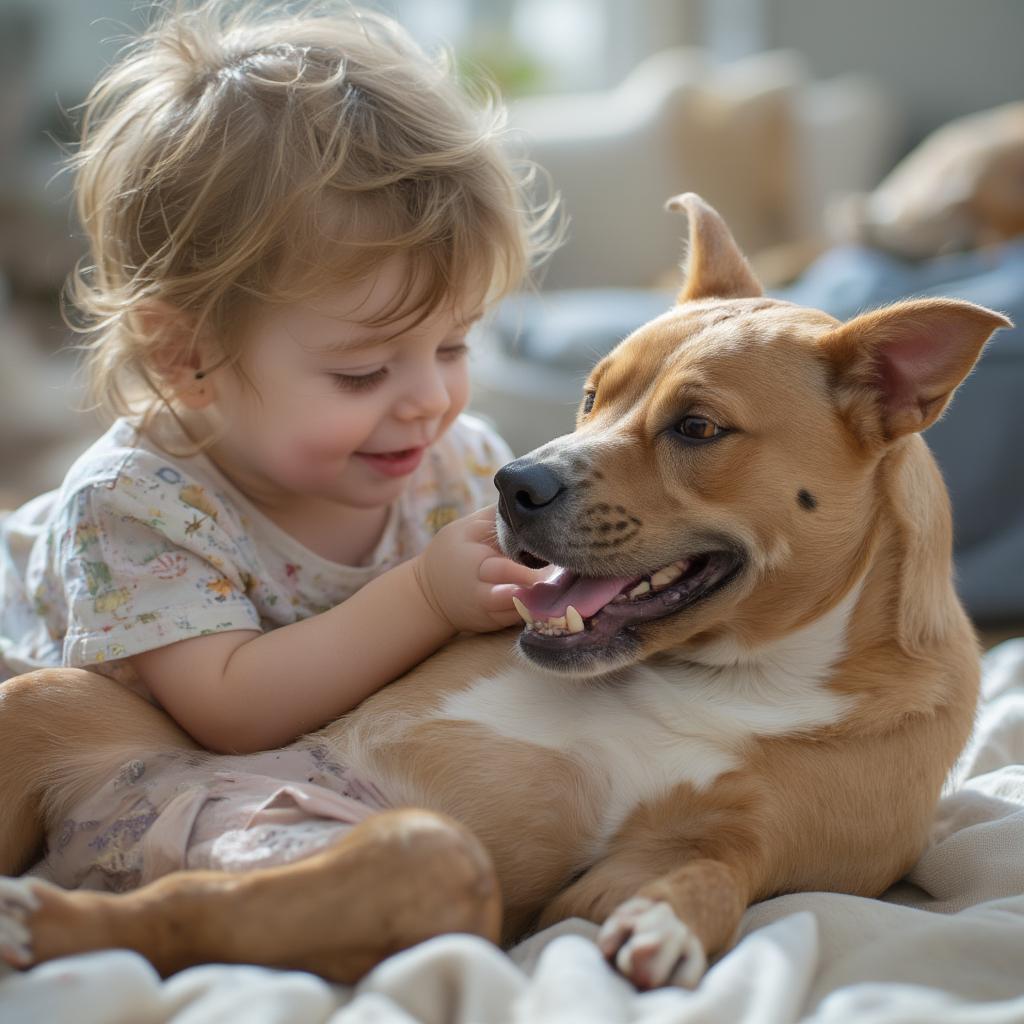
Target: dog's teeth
573, 620
549, 627
643, 587
524, 612
663, 577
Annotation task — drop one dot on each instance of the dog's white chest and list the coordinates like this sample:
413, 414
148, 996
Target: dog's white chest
640, 733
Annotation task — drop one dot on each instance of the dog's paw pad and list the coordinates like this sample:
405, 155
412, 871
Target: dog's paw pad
18, 900
651, 947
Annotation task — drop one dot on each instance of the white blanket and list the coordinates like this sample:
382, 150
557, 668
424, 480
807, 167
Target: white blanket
945, 945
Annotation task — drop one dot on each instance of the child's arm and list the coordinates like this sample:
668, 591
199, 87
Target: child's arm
242, 690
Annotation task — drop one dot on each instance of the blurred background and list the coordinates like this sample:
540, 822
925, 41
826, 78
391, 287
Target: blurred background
861, 152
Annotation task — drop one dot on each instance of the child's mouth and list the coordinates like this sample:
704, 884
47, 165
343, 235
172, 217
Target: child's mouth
397, 463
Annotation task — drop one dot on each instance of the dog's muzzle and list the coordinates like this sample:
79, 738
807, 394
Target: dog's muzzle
586, 615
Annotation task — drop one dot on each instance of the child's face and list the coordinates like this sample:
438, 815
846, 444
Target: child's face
340, 410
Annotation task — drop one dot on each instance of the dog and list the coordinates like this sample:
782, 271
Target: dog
750, 674
961, 188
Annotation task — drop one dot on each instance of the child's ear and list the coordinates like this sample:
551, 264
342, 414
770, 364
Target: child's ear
897, 368
176, 355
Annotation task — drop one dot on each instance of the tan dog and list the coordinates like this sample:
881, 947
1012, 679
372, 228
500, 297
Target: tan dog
752, 677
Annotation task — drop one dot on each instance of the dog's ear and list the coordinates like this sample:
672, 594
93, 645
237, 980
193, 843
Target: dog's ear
896, 368
715, 267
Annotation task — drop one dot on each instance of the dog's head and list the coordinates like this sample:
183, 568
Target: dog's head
724, 469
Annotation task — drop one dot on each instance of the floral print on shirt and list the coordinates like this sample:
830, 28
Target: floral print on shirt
138, 549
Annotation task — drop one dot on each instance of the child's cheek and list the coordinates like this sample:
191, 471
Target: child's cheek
459, 390
318, 457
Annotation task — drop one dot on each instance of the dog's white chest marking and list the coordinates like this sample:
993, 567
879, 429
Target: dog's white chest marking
650, 728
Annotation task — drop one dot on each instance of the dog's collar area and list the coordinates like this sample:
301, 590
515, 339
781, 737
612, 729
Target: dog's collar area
605, 607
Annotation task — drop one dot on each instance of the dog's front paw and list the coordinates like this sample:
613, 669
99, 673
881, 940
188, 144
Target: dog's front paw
18, 902
651, 947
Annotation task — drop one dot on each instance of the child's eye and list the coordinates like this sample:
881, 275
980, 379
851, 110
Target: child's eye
350, 382
452, 353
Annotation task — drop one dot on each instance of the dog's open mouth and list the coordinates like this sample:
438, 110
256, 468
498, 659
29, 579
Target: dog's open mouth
571, 611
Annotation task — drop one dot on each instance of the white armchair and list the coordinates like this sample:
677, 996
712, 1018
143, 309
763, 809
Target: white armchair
768, 146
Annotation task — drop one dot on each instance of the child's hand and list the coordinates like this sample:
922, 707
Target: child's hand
465, 578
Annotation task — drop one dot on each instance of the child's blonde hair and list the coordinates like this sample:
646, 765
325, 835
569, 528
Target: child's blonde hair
237, 154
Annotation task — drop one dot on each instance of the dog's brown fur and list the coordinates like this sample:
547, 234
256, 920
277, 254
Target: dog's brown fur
831, 494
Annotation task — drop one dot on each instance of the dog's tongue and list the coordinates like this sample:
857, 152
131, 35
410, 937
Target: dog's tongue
550, 598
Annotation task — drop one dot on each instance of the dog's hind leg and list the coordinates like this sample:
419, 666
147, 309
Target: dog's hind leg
63, 733
396, 879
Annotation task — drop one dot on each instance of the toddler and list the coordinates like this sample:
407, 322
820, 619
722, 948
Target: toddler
294, 221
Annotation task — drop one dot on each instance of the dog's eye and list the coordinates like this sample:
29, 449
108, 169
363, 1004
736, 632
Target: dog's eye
699, 428
588, 401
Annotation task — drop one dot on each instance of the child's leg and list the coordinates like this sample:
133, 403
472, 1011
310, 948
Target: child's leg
398, 878
63, 732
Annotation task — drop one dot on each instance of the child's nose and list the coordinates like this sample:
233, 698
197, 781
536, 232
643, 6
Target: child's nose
425, 397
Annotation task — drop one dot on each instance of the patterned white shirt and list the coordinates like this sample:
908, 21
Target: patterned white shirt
138, 549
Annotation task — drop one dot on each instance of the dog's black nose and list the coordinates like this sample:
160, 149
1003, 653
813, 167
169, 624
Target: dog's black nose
526, 488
